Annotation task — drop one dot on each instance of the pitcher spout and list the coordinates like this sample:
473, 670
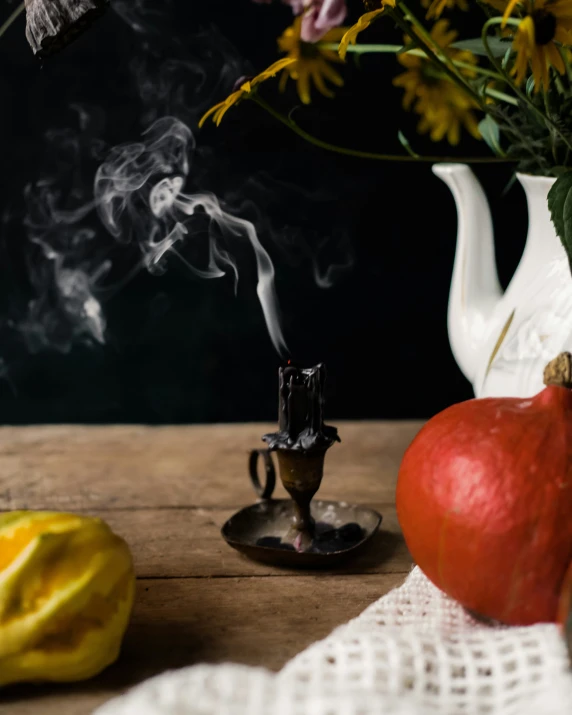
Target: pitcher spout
475, 289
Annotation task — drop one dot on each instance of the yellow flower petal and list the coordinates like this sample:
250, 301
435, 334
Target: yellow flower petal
472, 126
522, 44
310, 64
283, 81
330, 73
303, 87
350, 37
320, 84
454, 133
272, 70
437, 7
555, 58
508, 12
209, 113
219, 110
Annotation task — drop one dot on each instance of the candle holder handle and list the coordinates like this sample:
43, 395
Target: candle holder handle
265, 488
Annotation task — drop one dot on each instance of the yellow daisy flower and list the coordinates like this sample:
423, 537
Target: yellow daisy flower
437, 7
444, 107
219, 110
309, 63
545, 23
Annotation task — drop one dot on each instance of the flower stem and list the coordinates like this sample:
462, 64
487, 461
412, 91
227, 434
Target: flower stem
490, 92
444, 59
361, 49
13, 17
550, 130
291, 124
400, 49
477, 70
442, 64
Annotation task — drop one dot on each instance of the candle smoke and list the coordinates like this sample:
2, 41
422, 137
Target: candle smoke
138, 194
66, 261
101, 215
139, 197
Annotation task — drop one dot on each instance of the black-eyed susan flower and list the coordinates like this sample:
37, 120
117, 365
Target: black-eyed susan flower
545, 23
309, 63
245, 88
435, 8
543, 26
530, 49
350, 37
444, 107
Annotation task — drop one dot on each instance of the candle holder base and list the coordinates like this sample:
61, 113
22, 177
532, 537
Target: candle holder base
261, 532
267, 531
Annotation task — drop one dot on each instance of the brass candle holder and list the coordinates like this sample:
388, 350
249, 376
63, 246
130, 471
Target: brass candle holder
301, 531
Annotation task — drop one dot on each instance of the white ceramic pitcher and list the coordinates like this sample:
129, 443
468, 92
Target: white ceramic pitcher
503, 341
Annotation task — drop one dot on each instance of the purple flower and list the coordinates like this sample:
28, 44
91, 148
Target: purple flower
320, 16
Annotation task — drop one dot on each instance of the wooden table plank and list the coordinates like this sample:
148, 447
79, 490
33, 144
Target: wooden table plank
168, 490
178, 623
187, 542
84, 468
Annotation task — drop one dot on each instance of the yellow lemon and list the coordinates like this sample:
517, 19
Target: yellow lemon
66, 594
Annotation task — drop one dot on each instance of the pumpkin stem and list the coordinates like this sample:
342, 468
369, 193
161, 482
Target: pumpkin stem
559, 371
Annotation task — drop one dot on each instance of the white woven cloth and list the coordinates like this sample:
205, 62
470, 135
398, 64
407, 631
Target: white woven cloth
414, 651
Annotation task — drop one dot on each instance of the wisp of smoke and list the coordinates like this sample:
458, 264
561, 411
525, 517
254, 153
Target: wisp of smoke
146, 195
139, 198
66, 261
138, 194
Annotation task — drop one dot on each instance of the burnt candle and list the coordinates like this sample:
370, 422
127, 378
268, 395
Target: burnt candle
301, 399
301, 443
301, 410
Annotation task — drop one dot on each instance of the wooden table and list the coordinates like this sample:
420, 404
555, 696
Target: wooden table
167, 491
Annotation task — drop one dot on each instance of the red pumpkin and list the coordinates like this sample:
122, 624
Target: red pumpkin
484, 499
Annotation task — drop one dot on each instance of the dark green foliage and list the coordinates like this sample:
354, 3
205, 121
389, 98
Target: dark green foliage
537, 147
560, 206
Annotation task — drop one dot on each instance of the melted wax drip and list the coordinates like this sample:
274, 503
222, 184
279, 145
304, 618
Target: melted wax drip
301, 411
326, 541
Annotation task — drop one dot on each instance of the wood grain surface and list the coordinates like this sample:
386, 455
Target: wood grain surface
167, 491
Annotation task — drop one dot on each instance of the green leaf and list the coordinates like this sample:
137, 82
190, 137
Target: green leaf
509, 185
405, 144
490, 132
560, 207
567, 220
497, 46
506, 59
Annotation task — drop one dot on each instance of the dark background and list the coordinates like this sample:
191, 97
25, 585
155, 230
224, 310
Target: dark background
181, 349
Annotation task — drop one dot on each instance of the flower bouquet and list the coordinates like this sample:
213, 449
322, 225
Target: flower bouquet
510, 84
